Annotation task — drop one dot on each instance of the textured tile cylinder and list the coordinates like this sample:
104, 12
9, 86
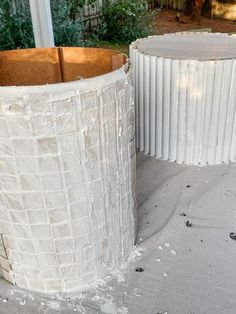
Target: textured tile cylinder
67, 174
185, 97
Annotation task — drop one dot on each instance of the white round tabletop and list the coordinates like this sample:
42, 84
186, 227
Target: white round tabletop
197, 46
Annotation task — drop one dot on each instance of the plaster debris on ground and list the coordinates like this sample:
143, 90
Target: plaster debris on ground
195, 257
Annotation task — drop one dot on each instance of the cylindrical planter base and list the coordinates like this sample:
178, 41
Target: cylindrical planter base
67, 168
185, 97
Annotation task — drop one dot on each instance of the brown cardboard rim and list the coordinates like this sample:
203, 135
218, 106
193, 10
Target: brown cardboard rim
42, 66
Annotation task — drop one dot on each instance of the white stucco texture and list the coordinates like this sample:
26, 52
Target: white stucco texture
67, 175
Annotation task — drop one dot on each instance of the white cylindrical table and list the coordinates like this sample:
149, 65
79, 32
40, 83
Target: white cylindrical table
185, 97
67, 167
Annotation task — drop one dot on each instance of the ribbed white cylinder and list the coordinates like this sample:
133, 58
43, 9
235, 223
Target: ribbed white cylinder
185, 105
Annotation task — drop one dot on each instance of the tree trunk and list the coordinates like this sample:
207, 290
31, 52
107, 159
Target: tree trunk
196, 10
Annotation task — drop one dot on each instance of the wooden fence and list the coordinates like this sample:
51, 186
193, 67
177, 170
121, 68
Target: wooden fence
91, 14
172, 4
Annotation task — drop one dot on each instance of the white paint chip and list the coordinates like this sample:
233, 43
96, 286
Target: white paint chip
108, 308
137, 292
23, 302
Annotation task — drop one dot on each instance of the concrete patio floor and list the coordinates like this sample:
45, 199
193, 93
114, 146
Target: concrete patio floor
183, 269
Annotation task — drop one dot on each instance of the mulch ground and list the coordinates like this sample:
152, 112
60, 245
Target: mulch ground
165, 22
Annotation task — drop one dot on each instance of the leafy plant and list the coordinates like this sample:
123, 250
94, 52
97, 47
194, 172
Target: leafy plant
16, 29
126, 20
68, 30
122, 21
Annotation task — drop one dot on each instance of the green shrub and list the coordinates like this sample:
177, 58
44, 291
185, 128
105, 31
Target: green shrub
126, 20
68, 30
16, 29
122, 21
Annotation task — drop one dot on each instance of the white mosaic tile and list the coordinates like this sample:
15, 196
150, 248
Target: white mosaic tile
67, 198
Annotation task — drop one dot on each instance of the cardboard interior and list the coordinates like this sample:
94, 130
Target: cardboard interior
39, 66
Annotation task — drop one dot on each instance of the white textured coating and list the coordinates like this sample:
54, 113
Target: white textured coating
67, 175
185, 106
